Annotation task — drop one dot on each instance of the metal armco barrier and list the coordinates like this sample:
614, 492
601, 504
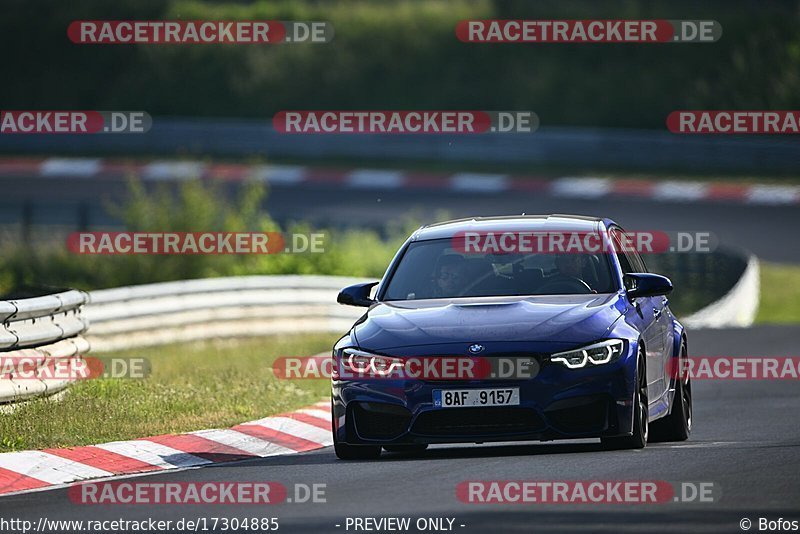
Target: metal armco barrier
245, 306
737, 308
39, 331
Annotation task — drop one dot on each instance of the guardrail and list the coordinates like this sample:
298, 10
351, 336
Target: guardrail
169, 312
737, 308
38, 333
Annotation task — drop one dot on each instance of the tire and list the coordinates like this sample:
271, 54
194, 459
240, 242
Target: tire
677, 426
414, 448
638, 440
345, 451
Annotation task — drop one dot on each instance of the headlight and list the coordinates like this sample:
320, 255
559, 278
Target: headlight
359, 362
595, 354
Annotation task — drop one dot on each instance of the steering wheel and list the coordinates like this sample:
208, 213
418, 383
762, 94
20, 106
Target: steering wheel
566, 284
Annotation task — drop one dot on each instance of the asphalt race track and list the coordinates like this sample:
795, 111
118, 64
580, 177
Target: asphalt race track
746, 441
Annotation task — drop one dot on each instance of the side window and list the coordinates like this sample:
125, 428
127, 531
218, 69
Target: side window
635, 260
628, 256
623, 259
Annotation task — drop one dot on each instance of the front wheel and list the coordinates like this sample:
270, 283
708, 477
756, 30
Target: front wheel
641, 415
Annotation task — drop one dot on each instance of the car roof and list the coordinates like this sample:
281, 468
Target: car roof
512, 223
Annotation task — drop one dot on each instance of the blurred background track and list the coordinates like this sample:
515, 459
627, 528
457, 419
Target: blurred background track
769, 231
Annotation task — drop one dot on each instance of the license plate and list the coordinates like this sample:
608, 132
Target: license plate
459, 398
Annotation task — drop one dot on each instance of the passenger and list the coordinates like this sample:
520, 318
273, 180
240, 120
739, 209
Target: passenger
449, 276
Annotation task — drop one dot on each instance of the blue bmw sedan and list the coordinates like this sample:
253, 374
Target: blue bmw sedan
511, 329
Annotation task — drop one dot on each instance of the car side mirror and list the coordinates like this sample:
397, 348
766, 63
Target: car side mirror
646, 285
357, 295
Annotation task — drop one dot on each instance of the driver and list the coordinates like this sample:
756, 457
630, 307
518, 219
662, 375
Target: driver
570, 271
449, 276
569, 265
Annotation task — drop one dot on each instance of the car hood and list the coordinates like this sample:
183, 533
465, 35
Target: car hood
567, 319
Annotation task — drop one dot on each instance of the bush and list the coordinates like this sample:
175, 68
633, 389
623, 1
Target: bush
195, 206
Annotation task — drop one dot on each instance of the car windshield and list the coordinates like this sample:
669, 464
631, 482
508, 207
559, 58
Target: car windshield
434, 269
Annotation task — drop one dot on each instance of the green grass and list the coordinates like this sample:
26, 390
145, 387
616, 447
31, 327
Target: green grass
191, 387
780, 294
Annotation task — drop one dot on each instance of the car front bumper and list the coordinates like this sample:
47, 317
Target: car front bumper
558, 403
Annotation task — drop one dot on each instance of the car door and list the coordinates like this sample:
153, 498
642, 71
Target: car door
647, 314
663, 327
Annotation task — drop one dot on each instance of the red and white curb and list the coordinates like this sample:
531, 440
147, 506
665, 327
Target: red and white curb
299, 431
290, 175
